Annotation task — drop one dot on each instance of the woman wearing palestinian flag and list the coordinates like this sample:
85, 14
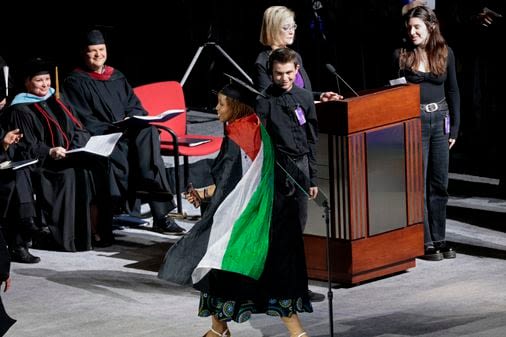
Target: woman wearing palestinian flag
228, 254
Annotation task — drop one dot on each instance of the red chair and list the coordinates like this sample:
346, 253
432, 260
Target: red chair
159, 97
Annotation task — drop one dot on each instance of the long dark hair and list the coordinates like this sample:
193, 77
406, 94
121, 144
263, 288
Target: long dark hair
436, 47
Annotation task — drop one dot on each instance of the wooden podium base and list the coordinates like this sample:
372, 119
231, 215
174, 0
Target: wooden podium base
374, 176
364, 259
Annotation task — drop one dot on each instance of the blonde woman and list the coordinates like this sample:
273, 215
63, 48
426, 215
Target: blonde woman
278, 31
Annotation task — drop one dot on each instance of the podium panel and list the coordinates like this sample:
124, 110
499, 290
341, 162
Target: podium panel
373, 174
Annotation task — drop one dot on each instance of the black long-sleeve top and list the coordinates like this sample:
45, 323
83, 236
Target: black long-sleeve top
277, 112
435, 88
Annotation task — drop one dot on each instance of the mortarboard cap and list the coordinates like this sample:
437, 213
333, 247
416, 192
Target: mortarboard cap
93, 37
36, 66
240, 91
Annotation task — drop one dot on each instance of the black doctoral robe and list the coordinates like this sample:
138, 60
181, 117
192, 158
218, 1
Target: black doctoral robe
136, 164
65, 188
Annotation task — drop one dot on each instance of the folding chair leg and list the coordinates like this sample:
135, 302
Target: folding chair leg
186, 169
178, 184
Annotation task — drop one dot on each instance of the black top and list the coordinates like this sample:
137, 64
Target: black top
289, 137
435, 88
262, 77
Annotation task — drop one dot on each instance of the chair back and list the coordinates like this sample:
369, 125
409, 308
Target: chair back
162, 96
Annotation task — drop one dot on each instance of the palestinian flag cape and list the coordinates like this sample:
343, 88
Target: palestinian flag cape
233, 234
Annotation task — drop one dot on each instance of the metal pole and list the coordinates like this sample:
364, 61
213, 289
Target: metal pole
192, 64
330, 294
233, 62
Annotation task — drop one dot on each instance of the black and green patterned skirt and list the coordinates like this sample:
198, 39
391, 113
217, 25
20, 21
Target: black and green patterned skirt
241, 311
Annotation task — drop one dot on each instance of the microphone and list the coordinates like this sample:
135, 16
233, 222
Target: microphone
331, 68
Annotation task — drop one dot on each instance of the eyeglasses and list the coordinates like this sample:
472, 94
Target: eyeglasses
288, 28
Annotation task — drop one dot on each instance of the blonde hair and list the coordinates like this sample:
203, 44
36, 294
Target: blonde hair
271, 24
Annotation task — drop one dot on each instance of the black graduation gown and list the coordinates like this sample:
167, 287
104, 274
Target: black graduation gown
185, 254
285, 273
64, 188
100, 100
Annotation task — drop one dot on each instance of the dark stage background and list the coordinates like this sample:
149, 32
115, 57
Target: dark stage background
149, 43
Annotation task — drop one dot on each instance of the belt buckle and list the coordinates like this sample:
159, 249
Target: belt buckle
431, 107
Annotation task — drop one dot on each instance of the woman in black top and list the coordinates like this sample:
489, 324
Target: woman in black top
278, 31
428, 61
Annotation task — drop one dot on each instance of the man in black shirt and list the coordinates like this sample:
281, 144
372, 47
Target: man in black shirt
289, 115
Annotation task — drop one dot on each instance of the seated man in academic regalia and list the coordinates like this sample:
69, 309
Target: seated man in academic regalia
101, 95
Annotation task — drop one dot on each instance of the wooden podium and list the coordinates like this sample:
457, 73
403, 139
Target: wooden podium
375, 183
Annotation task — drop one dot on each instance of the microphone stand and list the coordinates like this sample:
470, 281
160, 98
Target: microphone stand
346, 83
323, 201
330, 294
217, 46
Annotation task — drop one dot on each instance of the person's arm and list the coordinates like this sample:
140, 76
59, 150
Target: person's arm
453, 95
10, 138
261, 77
262, 109
196, 196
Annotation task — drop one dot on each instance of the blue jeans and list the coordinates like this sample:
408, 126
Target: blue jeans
435, 172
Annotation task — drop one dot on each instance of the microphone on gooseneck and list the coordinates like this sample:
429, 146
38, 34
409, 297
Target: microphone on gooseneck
331, 68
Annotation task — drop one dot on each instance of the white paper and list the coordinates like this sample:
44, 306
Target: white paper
397, 81
190, 141
17, 164
100, 145
160, 117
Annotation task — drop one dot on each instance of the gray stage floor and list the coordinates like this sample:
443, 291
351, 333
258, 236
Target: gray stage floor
114, 291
